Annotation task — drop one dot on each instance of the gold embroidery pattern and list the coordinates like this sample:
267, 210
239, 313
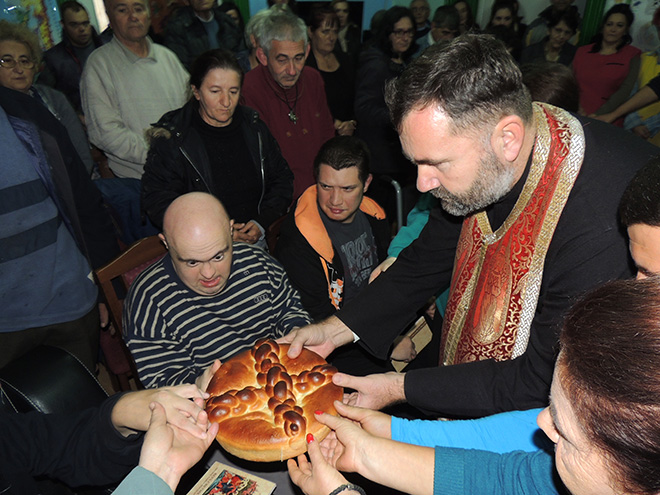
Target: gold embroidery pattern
497, 275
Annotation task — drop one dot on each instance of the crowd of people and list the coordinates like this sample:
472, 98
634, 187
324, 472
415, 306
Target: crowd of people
272, 158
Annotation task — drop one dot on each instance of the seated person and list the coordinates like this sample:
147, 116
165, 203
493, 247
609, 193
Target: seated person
597, 387
207, 299
215, 145
334, 238
21, 58
645, 122
101, 445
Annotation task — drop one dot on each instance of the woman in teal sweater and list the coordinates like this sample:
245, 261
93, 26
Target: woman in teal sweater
602, 420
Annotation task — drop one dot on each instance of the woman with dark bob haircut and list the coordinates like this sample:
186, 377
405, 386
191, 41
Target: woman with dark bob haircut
555, 47
607, 69
390, 52
215, 145
603, 421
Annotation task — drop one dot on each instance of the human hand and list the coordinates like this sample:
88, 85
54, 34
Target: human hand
387, 262
182, 405
642, 131
322, 338
204, 379
345, 128
372, 391
104, 317
316, 476
246, 232
169, 451
404, 349
377, 423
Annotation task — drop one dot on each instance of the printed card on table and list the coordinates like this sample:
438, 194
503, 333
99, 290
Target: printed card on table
224, 479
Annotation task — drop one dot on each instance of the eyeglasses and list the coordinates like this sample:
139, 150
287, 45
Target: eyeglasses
10, 63
400, 33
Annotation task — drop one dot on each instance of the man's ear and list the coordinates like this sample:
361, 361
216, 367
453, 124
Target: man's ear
367, 182
508, 137
162, 238
261, 56
307, 50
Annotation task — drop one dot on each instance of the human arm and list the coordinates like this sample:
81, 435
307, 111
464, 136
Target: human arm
168, 452
351, 448
625, 90
415, 222
162, 359
82, 448
643, 97
504, 432
181, 404
105, 126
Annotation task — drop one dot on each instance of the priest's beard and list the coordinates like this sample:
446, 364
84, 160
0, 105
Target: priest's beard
494, 180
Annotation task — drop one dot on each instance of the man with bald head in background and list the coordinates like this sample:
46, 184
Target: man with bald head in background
207, 299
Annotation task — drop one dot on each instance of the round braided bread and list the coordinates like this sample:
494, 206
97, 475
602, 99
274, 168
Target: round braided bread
265, 402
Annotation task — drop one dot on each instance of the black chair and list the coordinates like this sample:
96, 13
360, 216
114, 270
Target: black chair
49, 380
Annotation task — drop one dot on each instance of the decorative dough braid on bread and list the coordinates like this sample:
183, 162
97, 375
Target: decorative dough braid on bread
265, 402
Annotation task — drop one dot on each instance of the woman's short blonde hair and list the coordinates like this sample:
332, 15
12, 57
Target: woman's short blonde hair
21, 34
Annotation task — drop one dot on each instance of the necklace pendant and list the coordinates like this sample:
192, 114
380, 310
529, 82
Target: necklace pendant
293, 117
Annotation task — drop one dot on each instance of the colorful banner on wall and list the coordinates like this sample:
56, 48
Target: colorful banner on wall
41, 16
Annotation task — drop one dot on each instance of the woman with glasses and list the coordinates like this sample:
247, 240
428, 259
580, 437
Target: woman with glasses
20, 57
388, 54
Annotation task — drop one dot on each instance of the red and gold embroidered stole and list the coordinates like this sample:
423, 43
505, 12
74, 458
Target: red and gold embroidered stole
497, 275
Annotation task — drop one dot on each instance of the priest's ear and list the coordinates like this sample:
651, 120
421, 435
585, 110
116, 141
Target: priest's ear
508, 137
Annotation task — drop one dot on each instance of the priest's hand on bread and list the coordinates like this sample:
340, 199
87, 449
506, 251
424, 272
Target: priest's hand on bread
321, 338
373, 391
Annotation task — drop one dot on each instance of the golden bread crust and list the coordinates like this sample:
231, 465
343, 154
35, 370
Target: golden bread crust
265, 402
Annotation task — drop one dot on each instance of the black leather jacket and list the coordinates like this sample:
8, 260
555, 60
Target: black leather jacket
177, 163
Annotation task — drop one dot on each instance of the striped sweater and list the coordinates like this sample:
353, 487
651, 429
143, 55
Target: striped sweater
175, 333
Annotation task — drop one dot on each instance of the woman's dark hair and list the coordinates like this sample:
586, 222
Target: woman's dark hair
609, 367
319, 16
227, 6
502, 4
469, 22
386, 27
623, 9
218, 58
569, 17
552, 83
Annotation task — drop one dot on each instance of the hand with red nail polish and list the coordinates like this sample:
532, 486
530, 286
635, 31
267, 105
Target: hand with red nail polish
314, 476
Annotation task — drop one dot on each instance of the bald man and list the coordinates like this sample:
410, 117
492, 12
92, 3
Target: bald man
207, 299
